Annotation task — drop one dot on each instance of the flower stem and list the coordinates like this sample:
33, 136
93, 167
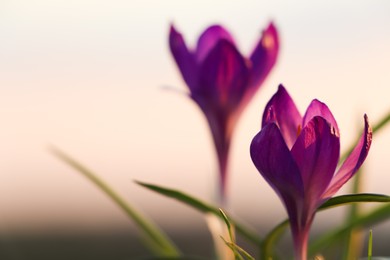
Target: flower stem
301, 238
221, 199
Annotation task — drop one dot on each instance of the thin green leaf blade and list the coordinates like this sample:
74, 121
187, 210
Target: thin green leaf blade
354, 198
232, 247
157, 240
363, 221
239, 250
272, 238
227, 222
181, 196
369, 253
201, 206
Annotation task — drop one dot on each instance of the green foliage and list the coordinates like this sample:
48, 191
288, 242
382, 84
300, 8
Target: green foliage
362, 221
239, 253
156, 240
374, 217
369, 253
202, 207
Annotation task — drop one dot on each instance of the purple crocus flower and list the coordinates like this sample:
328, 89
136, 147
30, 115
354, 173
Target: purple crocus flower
298, 157
222, 81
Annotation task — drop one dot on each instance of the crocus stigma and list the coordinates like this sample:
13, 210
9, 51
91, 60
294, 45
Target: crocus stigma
222, 81
298, 157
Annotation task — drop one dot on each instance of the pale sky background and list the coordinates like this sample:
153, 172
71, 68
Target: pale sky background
87, 76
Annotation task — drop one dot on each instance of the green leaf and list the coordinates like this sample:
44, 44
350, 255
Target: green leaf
374, 217
352, 241
354, 238
159, 243
238, 251
201, 206
232, 247
354, 198
271, 239
231, 244
273, 236
369, 253
227, 222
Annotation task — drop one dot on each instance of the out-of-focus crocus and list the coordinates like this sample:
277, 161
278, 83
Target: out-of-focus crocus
222, 81
298, 157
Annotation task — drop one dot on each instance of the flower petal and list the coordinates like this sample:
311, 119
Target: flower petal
281, 109
273, 159
264, 55
184, 58
317, 108
316, 153
224, 75
209, 38
352, 164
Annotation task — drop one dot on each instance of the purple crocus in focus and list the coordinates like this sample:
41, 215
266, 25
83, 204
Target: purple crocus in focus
298, 157
222, 81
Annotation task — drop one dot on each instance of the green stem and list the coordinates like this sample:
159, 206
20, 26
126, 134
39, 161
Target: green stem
160, 243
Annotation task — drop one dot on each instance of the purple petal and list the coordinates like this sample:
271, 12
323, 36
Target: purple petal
224, 75
352, 164
281, 109
209, 38
317, 108
316, 153
264, 55
273, 159
184, 58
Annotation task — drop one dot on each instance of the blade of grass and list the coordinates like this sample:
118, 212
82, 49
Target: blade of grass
232, 244
274, 235
354, 198
370, 246
271, 239
232, 247
237, 250
160, 244
201, 206
228, 225
240, 250
354, 238
375, 216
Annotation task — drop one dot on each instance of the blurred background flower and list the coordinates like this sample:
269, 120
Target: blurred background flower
222, 81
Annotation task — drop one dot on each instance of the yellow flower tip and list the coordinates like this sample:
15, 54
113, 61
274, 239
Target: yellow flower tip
268, 41
299, 130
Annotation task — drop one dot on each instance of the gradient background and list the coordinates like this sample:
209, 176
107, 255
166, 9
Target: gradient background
89, 77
